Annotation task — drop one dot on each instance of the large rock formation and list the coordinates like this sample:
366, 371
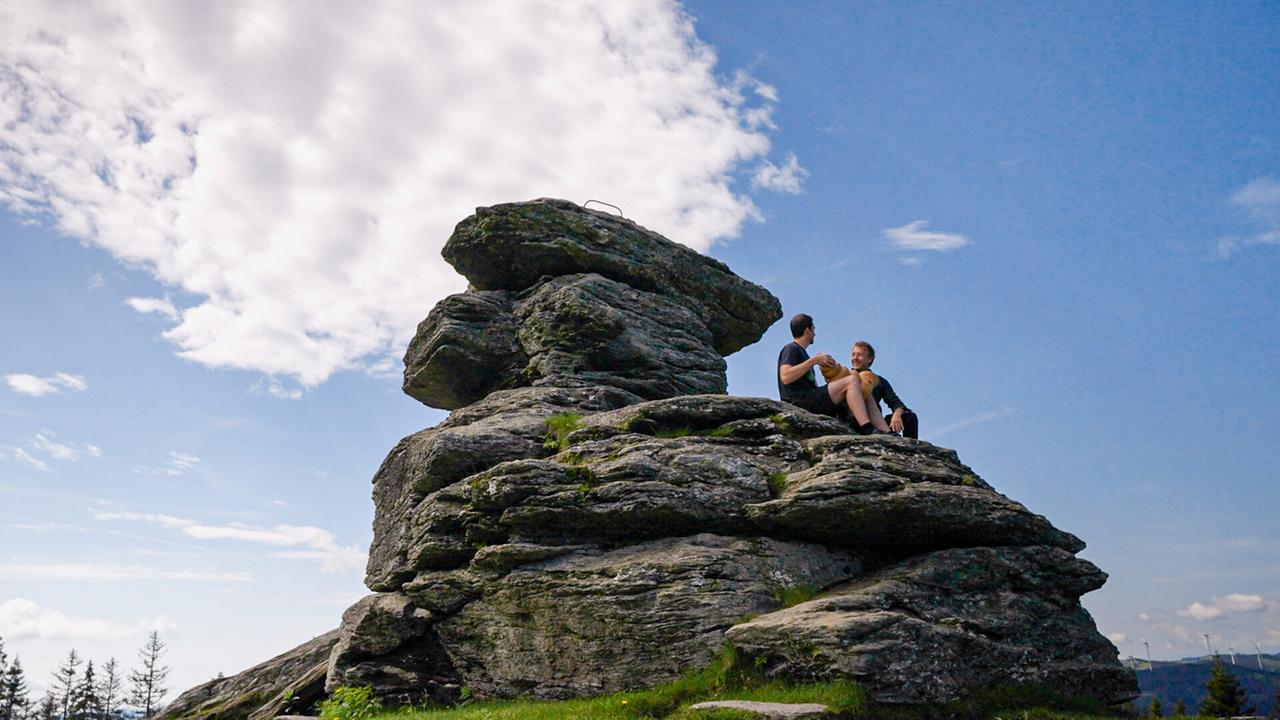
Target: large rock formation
597, 515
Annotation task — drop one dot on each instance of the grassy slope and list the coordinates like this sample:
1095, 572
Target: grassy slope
728, 679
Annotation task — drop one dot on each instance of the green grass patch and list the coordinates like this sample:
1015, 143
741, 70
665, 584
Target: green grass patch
722, 431
777, 484
671, 433
350, 703
789, 597
558, 429
730, 677
969, 480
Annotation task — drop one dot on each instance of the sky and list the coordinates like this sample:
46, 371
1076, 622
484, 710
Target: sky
1059, 224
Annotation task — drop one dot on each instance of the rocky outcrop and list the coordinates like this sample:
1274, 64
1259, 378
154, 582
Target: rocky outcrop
563, 296
596, 515
292, 682
924, 630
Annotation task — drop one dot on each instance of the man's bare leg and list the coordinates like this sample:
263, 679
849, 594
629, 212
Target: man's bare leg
848, 390
873, 410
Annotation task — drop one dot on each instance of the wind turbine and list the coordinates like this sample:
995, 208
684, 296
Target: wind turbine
1258, 651
1206, 644
1232, 650
1150, 665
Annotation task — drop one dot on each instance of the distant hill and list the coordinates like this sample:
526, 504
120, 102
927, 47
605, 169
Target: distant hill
1184, 680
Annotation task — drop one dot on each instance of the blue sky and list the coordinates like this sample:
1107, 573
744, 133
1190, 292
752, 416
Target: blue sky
1059, 225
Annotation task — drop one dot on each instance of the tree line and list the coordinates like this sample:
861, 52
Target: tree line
81, 691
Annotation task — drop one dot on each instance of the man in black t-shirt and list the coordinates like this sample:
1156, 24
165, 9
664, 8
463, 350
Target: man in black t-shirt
798, 385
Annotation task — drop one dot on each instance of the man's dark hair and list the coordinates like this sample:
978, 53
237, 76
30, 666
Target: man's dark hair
864, 344
799, 324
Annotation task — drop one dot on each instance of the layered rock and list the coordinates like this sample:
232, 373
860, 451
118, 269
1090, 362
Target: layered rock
597, 515
292, 682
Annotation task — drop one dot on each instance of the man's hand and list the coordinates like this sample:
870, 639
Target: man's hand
895, 422
825, 360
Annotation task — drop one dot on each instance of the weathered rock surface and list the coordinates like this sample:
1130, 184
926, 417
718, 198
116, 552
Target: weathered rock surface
596, 515
927, 629
513, 246
290, 682
568, 297
584, 623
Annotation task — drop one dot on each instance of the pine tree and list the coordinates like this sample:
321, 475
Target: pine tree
1275, 706
46, 710
1156, 709
109, 690
64, 684
86, 705
148, 682
1226, 698
1179, 709
13, 693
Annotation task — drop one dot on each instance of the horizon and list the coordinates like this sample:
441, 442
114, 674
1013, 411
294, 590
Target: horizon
220, 226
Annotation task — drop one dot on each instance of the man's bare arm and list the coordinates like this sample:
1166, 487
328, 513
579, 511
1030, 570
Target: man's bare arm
791, 373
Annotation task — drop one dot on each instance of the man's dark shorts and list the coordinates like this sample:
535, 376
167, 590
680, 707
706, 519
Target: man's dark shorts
817, 400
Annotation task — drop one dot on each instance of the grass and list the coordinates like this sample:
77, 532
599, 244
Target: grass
792, 596
777, 484
728, 678
558, 429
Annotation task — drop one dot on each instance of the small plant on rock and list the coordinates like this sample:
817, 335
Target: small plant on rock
350, 703
558, 429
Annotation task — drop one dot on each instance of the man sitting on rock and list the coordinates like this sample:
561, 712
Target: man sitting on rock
798, 385
901, 419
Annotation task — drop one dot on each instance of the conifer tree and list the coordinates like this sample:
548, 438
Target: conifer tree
1156, 709
1226, 698
13, 693
46, 710
109, 690
64, 684
1180, 709
147, 683
86, 704
1275, 706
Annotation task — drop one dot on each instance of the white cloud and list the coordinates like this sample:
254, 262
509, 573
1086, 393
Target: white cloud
316, 543
44, 441
1117, 637
26, 458
1225, 605
22, 619
153, 305
1199, 611
293, 168
178, 464
913, 236
1237, 602
787, 179
276, 389
1259, 204
46, 444
104, 571
97, 281
36, 386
